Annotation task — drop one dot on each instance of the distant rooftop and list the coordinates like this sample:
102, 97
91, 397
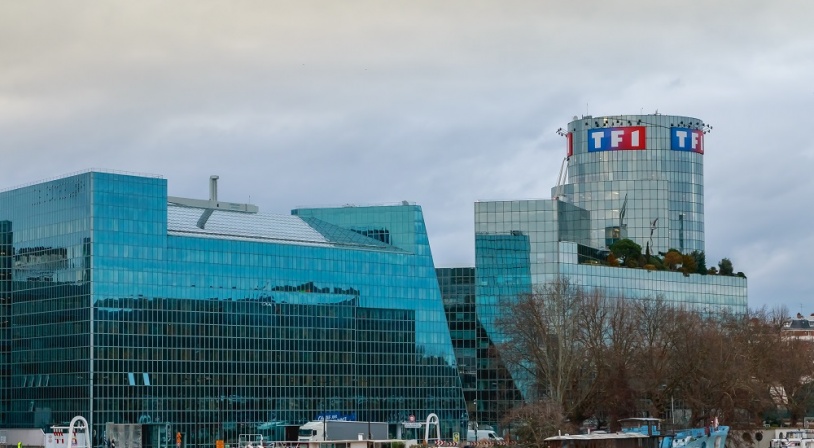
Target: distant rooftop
800, 322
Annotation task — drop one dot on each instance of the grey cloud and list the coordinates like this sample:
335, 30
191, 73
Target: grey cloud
441, 103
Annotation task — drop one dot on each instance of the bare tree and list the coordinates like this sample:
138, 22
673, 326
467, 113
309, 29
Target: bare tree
658, 325
544, 346
690, 364
588, 355
793, 375
611, 343
533, 422
743, 342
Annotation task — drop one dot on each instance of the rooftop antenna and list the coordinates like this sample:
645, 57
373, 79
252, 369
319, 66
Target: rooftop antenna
561, 179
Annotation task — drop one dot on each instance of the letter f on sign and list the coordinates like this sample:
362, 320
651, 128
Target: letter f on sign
616, 138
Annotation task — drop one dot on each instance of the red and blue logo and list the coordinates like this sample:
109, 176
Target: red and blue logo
686, 139
617, 139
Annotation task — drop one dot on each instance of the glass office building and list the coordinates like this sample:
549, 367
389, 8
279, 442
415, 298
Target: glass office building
208, 318
633, 176
641, 177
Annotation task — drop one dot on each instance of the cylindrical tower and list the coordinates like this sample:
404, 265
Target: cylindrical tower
641, 177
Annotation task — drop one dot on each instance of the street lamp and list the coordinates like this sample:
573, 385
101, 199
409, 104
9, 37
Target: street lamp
475, 416
324, 410
464, 427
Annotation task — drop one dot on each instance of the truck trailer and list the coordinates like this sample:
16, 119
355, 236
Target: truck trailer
317, 431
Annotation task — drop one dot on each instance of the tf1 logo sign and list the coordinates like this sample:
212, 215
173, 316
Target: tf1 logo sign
685, 139
616, 139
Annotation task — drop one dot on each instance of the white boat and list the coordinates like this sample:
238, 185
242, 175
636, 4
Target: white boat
646, 433
793, 438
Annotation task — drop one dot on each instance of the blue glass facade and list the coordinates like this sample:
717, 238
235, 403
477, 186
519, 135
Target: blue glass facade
123, 308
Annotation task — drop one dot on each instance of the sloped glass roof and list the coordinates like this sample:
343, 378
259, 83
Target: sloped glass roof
285, 229
341, 235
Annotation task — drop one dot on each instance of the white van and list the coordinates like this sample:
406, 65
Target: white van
482, 434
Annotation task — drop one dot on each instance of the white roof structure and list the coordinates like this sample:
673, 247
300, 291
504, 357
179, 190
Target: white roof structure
271, 228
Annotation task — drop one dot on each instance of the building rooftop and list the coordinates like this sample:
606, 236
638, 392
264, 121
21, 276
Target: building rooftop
283, 229
800, 323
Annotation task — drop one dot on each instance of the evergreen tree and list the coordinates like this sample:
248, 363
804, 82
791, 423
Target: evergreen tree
627, 250
700, 261
725, 267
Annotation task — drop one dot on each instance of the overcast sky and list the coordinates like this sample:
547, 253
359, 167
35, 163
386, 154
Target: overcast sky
442, 103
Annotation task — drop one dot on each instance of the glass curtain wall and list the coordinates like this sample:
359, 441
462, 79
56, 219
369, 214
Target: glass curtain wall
124, 310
